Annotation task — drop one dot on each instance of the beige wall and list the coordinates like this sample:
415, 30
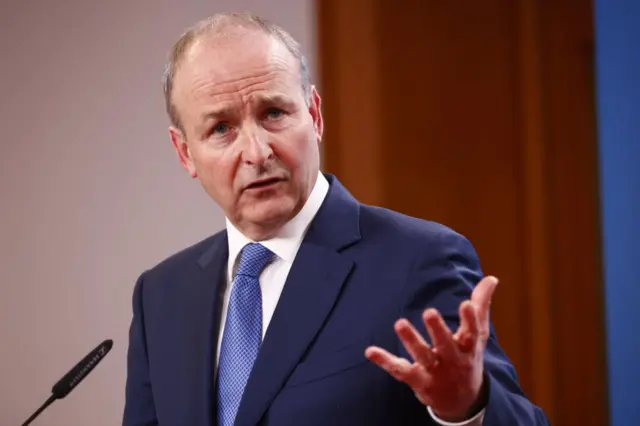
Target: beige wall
91, 191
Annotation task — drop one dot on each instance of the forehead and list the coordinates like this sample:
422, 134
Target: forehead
235, 64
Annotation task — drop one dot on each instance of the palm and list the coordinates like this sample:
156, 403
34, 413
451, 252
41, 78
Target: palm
447, 375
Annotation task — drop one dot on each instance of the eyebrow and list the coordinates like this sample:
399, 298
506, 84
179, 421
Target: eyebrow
271, 98
216, 113
256, 101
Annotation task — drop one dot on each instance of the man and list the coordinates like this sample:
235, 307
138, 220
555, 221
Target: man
309, 308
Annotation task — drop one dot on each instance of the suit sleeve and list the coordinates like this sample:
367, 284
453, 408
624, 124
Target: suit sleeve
139, 406
443, 276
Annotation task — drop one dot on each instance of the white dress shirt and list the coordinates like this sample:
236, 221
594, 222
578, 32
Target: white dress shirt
285, 247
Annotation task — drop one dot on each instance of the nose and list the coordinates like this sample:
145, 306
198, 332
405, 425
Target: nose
256, 149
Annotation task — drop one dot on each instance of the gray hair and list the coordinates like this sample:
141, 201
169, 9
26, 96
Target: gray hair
217, 24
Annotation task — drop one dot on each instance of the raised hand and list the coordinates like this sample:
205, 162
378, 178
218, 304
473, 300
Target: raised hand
447, 376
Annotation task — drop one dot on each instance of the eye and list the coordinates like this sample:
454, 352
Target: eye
220, 128
274, 113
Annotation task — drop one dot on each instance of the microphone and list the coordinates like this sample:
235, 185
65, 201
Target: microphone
74, 376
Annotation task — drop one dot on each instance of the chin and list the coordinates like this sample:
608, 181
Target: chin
272, 212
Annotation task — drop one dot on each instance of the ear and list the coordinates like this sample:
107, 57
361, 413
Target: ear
316, 112
179, 142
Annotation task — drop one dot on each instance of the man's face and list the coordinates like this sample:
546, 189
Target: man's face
247, 133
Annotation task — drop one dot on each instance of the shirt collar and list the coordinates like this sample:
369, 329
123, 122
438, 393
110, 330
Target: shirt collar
287, 241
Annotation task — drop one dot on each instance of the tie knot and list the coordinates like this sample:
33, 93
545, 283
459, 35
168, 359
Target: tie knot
253, 259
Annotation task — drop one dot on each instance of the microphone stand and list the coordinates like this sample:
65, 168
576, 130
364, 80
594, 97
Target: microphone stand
40, 410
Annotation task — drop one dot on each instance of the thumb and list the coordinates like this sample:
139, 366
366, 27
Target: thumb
481, 299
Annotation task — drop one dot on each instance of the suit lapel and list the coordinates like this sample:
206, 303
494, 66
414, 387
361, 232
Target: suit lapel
203, 325
311, 290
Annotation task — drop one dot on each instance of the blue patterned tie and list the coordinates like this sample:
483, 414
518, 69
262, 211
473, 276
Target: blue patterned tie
242, 332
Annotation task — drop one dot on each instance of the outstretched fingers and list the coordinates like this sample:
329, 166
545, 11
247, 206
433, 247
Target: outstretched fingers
417, 347
481, 299
399, 368
441, 337
469, 332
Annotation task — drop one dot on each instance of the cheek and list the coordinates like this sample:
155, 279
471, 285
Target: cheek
216, 173
297, 149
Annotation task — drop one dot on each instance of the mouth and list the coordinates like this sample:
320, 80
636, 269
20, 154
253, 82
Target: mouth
264, 183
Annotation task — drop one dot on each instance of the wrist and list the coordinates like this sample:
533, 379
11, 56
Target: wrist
476, 406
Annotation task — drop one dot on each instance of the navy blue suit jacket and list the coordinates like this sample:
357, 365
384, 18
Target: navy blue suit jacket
358, 270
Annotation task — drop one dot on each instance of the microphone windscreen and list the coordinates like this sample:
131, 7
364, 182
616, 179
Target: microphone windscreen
81, 370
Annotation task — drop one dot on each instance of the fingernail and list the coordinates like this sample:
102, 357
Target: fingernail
401, 324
